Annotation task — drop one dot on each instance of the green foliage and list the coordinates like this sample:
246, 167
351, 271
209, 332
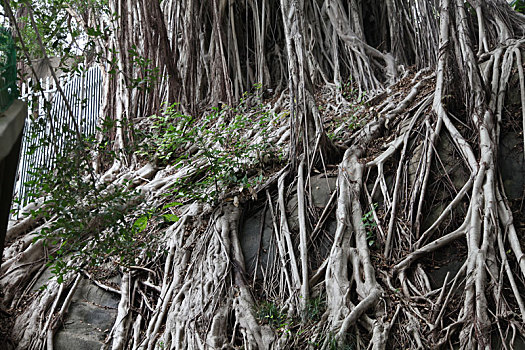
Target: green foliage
79, 212
8, 88
303, 332
351, 92
155, 215
88, 221
170, 131
315, 308
518, 5
230, 157
331, 343
52, 22
349, 119
271, 313
334, 345
148, 74
370, 224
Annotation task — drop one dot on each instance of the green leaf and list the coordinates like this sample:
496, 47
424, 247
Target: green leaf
141, 223
170, 217
172, 204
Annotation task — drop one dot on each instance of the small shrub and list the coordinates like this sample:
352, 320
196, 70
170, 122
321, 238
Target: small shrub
518, 5
230, 156
315, 308
89, 221
269, 312
370, 224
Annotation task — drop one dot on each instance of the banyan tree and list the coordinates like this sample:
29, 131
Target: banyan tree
369, 93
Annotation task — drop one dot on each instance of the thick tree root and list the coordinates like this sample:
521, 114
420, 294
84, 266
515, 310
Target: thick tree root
374, 275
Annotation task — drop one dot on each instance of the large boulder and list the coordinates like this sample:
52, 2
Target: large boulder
90, 318
257, 229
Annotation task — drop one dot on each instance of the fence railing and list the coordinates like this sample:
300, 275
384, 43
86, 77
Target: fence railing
50, 123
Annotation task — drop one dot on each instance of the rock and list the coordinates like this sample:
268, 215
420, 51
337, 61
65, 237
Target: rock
512, 167
413, 163
87, 291
322, 188
252, 243
72, 340
89, 320
519, 343
43, 279
437, 276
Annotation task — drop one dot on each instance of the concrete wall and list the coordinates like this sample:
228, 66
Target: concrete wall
11, 126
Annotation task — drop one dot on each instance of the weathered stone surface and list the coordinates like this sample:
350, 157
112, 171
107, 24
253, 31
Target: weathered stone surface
42, 280
253, 244
90, 318
322, 188
511, 164
450, 159
519, 343
437, 276
87, 291
72, 340
413, 163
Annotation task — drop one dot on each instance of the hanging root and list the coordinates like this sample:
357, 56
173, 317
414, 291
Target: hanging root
402, 204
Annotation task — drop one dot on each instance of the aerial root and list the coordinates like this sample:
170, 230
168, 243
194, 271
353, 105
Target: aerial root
350, 251
33, 327
208, 286
56, 320
122, 323
487, 228
203, 297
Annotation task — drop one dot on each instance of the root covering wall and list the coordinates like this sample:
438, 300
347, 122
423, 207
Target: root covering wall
373, 101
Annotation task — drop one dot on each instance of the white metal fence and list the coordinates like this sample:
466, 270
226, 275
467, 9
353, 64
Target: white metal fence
47, 112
